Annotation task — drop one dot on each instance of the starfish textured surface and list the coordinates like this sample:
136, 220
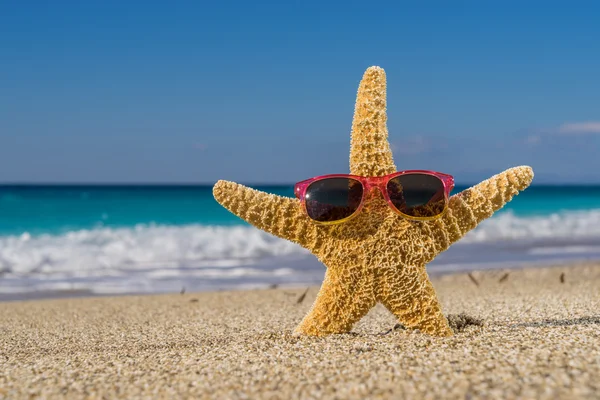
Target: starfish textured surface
377, 256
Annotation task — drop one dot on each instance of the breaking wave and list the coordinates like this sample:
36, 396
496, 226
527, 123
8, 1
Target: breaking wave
144, 257
564, 225
144, 247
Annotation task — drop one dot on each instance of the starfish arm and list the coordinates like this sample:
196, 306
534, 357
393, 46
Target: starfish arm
277, 215
471, 206
342, 300
370, 153
408, 293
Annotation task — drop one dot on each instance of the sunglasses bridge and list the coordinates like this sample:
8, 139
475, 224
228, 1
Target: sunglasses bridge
377, 182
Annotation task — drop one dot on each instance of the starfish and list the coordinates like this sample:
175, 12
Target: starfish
378, 256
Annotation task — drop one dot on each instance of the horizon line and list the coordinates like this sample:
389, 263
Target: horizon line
191, 184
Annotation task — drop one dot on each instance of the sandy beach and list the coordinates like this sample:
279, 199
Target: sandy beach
531, 333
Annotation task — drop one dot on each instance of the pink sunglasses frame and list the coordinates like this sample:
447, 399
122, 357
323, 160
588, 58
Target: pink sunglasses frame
371, 182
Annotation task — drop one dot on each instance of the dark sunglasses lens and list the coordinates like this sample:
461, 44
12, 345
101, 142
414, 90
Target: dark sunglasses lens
333, 199
417, 195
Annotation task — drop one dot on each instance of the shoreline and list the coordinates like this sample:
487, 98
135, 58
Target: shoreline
434, 271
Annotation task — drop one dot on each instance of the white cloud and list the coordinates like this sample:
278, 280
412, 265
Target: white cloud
533, 139
580, 127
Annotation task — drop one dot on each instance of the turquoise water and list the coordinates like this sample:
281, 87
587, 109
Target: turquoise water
149, 239
59, 209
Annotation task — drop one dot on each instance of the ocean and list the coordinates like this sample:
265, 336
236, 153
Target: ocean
108, 240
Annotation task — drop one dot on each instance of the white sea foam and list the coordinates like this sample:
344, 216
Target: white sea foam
553, 250
140, 256
107, 251
570, 225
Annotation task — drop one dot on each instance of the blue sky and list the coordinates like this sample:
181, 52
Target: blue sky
174, 92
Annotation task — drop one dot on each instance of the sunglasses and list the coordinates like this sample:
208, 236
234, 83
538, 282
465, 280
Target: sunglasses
416, 195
